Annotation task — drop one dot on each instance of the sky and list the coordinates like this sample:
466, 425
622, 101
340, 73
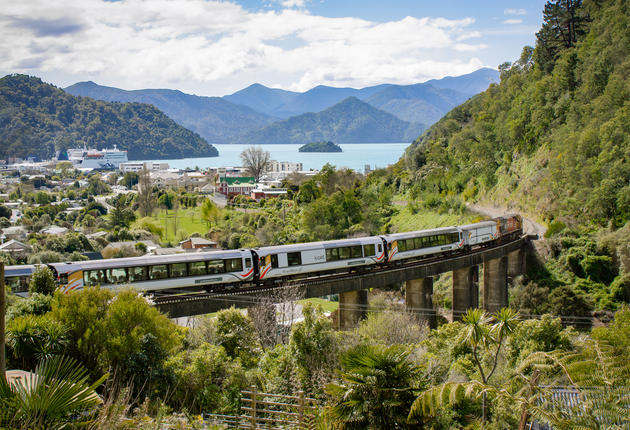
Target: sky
214, 48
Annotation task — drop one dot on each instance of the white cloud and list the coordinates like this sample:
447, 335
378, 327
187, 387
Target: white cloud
192, 44
515, 12
513, 21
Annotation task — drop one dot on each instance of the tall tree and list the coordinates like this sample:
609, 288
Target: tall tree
256, 160
146, 200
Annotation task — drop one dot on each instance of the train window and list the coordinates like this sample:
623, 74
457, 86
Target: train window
417, 243
356, 251
233, 265
248, 263
274, 261
332, 254
197, 268
215, 267
380, 248
178, 270
94, 277
368, 250
117, 276
454, 237
159, 271
137, 274
402, 246
411, 244
344, 253
294, 258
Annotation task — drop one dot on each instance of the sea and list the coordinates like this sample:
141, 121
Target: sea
354, 156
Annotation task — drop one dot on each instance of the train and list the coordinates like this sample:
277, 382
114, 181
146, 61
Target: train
217, 271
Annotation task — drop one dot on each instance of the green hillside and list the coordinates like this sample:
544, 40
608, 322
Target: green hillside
350, 120
553, 138
37, 118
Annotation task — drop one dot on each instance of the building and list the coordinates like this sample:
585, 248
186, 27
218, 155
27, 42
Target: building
137, 166
14, 248
267, 193
230, 186
284, 166
198, 243
55, 230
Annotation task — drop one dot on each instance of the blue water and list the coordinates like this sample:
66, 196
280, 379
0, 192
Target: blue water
354, 156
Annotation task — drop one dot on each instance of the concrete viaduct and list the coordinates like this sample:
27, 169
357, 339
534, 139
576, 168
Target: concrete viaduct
498, 264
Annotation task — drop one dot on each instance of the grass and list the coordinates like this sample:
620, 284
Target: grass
407, 220
188, 222
327, 305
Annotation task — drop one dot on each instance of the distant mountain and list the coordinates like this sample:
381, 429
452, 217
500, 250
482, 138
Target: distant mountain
37, 118
214, 118
425, 103
350, 120
261, 98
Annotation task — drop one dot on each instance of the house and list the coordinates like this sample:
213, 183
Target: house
266, 193
55, 230
16, 232
14, 247
198, 243
231, 186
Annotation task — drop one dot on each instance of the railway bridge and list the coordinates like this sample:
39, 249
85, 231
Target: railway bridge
498, 262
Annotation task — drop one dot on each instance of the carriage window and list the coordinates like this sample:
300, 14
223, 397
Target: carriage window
197, 268
117, 276
402, 246
159, 271
417, 243
274, 261
356, 251
215, 267
294, 258
344, 253
380, 248
368, 250
233, 265
248, 263
178, 270
332, 254
410, 244
455, 237
94, 277
137, 274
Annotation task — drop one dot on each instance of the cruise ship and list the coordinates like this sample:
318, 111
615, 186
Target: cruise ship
95, 159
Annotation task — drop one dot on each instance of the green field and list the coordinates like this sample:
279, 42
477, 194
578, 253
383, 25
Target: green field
327, 305
188, 222
423, 219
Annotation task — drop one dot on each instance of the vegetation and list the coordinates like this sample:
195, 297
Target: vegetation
256, 161
320, 147
36, 119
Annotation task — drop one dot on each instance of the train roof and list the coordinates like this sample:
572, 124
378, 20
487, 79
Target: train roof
421, 233
147, 260
317, 245
24, 270
489, 223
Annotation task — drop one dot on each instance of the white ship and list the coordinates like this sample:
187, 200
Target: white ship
94, 159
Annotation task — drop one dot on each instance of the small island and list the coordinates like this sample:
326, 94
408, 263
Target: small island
320, 147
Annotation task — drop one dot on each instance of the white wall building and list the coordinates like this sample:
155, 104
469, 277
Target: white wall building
284, 166
136, 166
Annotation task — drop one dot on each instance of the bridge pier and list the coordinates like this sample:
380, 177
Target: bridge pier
495, 291
465, 291
419, 299
516, 263
352, 308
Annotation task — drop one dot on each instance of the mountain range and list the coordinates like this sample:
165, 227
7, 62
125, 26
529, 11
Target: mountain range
248, 115
37, 118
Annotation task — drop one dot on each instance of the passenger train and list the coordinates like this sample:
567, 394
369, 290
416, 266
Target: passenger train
223, 270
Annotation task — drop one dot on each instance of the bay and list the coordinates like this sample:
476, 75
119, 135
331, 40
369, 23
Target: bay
354, 156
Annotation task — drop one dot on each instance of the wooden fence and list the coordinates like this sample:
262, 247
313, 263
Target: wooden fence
270, 412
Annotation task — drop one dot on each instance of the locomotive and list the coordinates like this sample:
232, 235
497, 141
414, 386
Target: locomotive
265, 266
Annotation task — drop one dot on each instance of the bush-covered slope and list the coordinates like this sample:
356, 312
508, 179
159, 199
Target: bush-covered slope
554, 136
215, 119
37, 118
348, 121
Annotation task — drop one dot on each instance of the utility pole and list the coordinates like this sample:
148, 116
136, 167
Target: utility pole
3, 311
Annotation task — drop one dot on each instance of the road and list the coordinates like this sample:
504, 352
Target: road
529, 226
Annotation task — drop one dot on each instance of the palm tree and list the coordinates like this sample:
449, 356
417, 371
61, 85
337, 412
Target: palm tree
377, 388
55, 394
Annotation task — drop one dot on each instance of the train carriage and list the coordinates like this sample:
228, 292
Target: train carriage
18, 278
480, 233
304, 258
154, 273
418, 244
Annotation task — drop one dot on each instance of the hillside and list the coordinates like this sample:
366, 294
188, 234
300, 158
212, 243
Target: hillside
214, 118
36, 118
553, 138
261, 98
320, 147
348, 121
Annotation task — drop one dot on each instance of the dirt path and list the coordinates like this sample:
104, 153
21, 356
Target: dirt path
529, 226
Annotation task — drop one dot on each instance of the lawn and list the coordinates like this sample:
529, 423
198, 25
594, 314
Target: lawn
327, 305
188, 222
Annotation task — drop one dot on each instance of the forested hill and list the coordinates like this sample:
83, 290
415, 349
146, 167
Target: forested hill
215, 119
554, 136
350, 120
37, 118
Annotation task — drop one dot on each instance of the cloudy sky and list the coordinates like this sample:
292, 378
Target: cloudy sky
209, 47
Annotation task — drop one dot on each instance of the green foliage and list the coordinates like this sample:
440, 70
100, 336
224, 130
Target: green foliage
325, 146
376, 389
42, 281
546, 334
40, 118
33, 338
34, 304
130, 179
235, 332
57, 395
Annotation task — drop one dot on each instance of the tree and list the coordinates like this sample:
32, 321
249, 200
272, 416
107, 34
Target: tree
236, 333
209, 212
130, 179
377, 388
5, 212
121, 215
255, 160
146, 200
42, 281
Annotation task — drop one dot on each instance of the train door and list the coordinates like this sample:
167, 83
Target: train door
256, 265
